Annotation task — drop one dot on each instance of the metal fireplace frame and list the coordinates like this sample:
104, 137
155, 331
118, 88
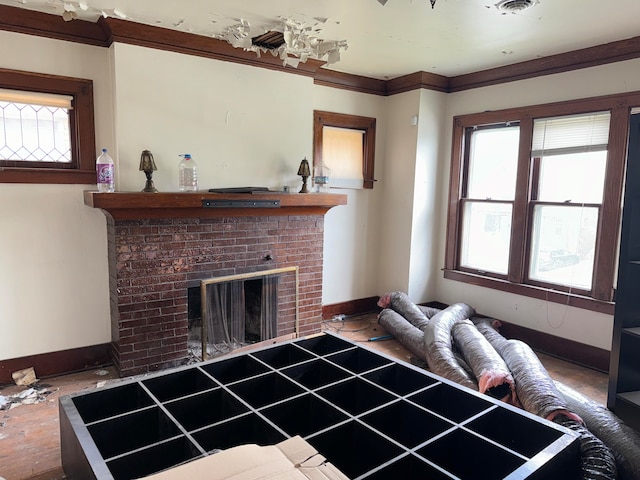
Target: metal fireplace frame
245, 276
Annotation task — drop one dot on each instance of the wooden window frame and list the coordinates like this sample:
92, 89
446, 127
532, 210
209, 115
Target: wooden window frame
323, 119
601, 298
82, 169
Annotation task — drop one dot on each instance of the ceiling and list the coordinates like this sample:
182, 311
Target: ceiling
402, 37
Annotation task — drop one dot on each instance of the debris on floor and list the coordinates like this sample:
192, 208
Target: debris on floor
24, 377
35, 394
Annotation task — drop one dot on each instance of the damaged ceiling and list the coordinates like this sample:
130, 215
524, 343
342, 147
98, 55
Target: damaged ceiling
383, 39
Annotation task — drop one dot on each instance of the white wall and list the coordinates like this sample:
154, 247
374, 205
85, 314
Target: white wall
424, 263
396, 211
54, 289
580, 325
244, 126
351, 240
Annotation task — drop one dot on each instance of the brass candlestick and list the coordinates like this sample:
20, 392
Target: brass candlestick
148, 165
304, 171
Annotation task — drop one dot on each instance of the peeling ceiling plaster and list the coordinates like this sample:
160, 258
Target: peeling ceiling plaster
401, 37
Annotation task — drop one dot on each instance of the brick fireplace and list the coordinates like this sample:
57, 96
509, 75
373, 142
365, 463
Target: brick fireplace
160, 245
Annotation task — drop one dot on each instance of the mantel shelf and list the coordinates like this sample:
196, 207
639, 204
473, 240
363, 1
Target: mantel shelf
137, 205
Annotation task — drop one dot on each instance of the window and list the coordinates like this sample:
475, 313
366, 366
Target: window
346, 145
535, 200
46, 129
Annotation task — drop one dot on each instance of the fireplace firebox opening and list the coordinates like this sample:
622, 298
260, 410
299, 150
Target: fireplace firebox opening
233, 311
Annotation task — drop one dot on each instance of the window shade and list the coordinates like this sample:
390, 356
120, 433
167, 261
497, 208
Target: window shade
342, 152
574, 134
36, 98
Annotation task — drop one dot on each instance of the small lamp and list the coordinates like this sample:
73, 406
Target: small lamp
304, 171
148, 165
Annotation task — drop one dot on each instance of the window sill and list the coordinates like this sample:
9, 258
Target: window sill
47, 175
577, 301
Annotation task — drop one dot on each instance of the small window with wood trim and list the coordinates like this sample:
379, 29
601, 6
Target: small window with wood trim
46, 129
344, 145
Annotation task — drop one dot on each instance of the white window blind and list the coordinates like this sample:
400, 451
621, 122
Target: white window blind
343, 153
36, 98
571, 134
35, 127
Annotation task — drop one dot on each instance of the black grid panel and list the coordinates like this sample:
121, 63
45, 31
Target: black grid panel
372, 416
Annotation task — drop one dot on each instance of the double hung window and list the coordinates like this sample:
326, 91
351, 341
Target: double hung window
535, 201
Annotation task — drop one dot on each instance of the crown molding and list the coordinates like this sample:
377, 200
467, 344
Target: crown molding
348, 81
563, 62
414, 81
19, 20
108, 30
125, 31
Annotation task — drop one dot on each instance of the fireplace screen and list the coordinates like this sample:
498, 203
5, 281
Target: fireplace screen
242, 310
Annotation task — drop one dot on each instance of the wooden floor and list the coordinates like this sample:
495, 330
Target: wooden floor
29, 433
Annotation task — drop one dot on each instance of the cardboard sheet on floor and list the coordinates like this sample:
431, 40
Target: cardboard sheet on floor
292, 459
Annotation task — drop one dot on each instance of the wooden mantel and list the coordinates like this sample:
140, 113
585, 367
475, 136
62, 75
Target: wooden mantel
202, 204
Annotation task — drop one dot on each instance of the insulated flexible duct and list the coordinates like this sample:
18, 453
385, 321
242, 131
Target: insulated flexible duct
622, 440
439, 346
402, 304
408, 335
489, 369
596, 460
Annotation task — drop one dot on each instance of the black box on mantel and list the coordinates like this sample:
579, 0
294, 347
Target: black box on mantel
371, 416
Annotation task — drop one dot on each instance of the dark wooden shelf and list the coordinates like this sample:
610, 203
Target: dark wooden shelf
623, 397
136, 205
635, 331
631, 397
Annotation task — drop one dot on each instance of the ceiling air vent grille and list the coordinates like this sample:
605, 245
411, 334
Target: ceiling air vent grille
270, 40
515, 6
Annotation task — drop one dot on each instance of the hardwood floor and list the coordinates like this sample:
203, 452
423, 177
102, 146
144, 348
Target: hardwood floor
29, 433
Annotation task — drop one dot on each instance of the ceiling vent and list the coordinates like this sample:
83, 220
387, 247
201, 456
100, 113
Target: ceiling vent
515, 6
270, 40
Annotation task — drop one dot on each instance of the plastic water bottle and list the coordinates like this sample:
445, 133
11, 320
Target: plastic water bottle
188, 174
105, 172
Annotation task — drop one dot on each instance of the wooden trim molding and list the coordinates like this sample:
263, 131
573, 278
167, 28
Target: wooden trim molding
19, 20
133, 33
572, 351
58, 363
109, 30
414, 81
352, 307
346, 81
136, 205
577, 59
82, 168
555, 296
323, 119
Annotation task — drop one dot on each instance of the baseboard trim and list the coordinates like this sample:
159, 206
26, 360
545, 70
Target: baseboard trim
58, 363
569, 350
562, 348
352, 307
